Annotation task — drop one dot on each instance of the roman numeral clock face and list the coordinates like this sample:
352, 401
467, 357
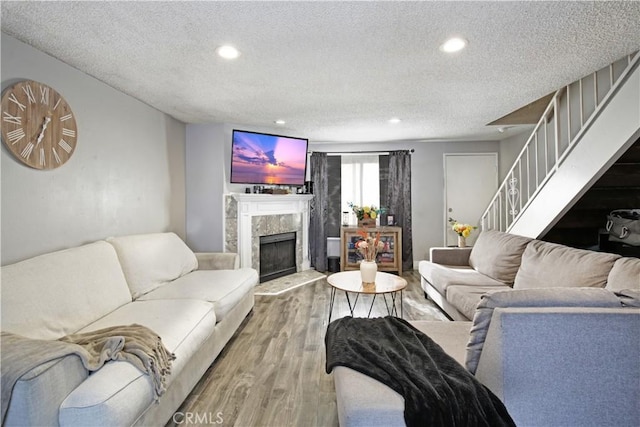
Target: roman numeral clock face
38, 126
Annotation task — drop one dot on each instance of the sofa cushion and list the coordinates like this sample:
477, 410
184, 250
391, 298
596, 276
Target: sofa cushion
152, 260
548, 297
443, 276
629, 297
548, 265
224, 288
497, 255
53, 295
118, 393
466, 298
625, 274
451, 336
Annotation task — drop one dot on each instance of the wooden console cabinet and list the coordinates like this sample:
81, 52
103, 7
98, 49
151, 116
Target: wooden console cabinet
388, 259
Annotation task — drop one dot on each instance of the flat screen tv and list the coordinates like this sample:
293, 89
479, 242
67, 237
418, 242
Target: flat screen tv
261, 158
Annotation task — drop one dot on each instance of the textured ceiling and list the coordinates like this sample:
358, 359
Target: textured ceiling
335, 71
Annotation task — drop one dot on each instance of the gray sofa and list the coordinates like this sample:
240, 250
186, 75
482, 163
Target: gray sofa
456, 278
555, 355
194, 302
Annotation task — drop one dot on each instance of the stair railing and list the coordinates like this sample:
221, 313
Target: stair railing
568, 116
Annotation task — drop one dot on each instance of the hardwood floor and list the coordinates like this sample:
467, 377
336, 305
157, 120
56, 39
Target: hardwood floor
272, 372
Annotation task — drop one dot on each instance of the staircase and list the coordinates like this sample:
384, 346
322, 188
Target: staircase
583, 226
587, 126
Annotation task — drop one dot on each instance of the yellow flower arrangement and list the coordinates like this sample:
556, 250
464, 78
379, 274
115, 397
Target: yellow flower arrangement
365, 212
463, 230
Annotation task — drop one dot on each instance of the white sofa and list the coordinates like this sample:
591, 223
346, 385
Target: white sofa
194, 302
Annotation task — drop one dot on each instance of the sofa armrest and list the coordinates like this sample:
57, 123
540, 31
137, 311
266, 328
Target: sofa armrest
38, 394
450, 256
535, 359
218, 261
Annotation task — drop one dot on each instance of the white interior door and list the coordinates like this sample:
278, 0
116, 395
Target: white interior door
471, 180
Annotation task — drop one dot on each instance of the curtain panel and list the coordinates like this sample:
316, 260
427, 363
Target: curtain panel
399, 201
318, 213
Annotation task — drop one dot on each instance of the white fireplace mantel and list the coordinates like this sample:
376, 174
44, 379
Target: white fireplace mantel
250, 205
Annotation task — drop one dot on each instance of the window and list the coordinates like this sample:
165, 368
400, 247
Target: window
357, 178
360, 181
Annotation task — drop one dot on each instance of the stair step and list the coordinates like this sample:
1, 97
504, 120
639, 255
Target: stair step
592, 218
610, 198
620, 175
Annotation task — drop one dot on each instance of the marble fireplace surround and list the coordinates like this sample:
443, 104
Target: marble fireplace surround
249, 216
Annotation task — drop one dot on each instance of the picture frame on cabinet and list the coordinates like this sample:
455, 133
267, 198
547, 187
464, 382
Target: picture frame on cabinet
391, 219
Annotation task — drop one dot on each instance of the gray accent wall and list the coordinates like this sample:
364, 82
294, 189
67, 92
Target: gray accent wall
208, 172
127, 175
510, 148
206, 161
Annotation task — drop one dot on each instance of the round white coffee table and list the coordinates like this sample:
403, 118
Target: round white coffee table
350, 281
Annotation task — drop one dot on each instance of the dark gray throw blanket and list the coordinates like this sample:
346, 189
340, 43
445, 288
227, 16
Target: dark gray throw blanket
437, 390
135, 344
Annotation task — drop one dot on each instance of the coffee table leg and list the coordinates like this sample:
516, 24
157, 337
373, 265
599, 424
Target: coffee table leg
389, 311
373, 301
393, 311
331, 300
352, 308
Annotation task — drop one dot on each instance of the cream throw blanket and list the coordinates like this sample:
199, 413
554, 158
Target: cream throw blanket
135, 344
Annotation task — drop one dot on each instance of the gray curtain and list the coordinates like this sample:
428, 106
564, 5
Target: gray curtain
318, 214
399, 200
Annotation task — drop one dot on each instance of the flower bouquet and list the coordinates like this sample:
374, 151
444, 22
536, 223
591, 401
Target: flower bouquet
369, 246
366, 214
462, 230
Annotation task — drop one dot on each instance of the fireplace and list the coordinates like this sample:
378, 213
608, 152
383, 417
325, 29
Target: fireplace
277, 255
251, 216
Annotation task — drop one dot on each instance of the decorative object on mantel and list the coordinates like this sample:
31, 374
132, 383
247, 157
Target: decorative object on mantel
366, 214
368, 248
462, 230
275, 191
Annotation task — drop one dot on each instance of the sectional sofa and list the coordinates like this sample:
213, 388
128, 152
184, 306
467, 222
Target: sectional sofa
456, 278
560, 347
194, 301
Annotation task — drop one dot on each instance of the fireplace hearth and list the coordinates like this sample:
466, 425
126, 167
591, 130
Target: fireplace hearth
277, 255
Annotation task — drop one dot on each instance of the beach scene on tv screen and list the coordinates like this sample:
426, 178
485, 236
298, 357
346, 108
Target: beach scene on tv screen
268, 159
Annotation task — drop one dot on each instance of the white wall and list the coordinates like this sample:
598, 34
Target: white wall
126, 175
427, 183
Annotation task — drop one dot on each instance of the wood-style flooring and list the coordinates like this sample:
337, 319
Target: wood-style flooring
272, 372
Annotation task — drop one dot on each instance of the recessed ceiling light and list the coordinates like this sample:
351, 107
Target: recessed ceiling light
279, 122
454, 44
228, 52
394, 120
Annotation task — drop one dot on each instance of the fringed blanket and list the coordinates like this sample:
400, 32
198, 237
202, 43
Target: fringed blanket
135, 344
437, 390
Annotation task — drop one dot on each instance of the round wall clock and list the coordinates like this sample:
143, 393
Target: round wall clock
38, 126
